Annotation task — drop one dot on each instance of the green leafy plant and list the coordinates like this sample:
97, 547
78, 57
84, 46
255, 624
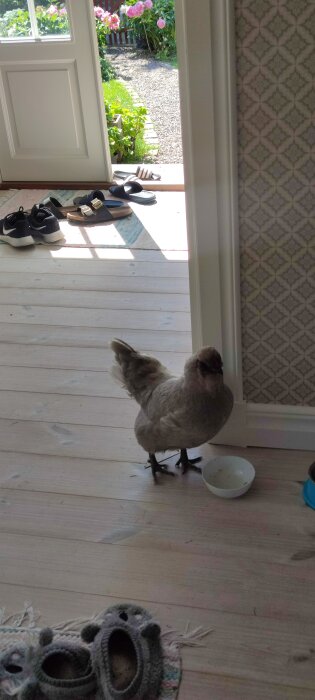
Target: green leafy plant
153, 22
15, 23
125, 137
50, 21
105, 23
123, 140
107, 70
7, 5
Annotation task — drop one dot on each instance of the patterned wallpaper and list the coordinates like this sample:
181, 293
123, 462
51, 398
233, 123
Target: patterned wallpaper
275, 44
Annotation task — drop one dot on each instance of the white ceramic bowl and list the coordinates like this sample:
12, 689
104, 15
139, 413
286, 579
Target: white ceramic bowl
228, 477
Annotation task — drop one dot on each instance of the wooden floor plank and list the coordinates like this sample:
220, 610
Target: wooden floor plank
143, 525
232, 584
94, 253
60, 381
120, 268
69, 440
79, 410
94, 283
130, 481
48, 298
79, 358
205, 686
145, 320
80, 336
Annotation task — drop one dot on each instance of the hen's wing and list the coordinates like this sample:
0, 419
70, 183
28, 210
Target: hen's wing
166, 433
138, 373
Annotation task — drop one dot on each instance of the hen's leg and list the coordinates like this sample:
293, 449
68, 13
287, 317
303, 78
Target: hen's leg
156, 467
187, 463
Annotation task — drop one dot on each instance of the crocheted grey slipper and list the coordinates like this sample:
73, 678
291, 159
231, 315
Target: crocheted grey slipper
126, 654
13, 671
59, 670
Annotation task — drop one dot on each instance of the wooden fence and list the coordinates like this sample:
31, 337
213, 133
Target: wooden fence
123, 36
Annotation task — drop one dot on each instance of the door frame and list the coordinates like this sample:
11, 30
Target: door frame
208, 111
207, 77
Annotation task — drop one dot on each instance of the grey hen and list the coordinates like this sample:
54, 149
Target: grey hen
176, 413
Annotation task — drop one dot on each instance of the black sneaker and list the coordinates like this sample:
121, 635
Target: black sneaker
15, 229
45, 224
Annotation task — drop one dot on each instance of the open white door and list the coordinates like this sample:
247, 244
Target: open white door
52, 121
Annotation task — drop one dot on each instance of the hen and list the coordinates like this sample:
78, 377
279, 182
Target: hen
175, 413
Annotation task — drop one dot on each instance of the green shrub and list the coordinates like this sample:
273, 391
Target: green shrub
7, 5
162, 42
125, 140
16, 22
107, 70
103, 28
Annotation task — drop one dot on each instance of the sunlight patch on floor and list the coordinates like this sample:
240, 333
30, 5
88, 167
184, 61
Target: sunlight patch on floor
165, 222
90, 253
175, 254
91, 235
86, 253
114, 254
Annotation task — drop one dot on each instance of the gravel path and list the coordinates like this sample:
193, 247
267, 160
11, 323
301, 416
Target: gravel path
156, 84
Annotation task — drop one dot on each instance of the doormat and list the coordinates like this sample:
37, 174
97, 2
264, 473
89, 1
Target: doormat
150, 227
22, 628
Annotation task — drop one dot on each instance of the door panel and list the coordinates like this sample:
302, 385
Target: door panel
52, 121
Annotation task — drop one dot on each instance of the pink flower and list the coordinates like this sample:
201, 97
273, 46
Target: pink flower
130, 12
114, 21
139, 8
62, 11
148, 4
106, 19
52, 10
161, 23
99, 12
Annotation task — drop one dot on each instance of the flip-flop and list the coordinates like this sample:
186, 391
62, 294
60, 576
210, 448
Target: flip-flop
61, 211
97, 213
96, 194
133, 191
142, 173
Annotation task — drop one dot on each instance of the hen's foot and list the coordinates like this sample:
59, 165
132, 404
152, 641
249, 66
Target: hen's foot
158, 468
187, 463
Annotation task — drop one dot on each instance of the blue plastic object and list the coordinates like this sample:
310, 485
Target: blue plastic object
309, 487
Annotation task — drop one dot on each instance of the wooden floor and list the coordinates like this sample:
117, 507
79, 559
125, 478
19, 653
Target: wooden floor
83, 525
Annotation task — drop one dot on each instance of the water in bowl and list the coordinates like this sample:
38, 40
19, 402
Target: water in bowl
226, 478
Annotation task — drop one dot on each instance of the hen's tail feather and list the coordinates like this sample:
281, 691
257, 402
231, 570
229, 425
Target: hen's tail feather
138, 373
120, 347
122, 351
116, 373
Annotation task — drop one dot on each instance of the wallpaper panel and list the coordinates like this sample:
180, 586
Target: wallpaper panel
275, 46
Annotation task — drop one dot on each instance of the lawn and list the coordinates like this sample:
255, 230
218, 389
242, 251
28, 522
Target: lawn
115, 92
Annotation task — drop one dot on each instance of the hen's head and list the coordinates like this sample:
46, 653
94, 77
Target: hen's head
206, 367
209, 361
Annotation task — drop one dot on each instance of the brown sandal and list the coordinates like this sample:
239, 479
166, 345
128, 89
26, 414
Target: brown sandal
60, 211
97, 213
